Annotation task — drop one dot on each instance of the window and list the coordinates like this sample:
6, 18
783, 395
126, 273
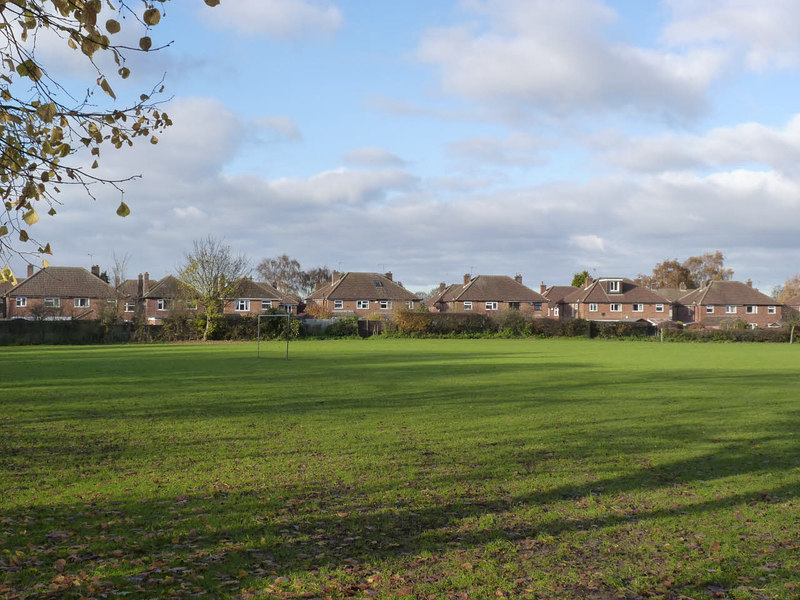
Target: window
593, 307
751, 310
410, 304
22, 302
242, 305
338, 304
659, 308
362, 304
616, 308
638, 307
52, 302
537, 306
385, 304
491, 306
378, 283
81, 303
162, 304
467, 305
613, 286
130, 306
709, 310
771, 310
730, 309
266, 304
555, 311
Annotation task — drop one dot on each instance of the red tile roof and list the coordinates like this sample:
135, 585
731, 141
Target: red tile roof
728, 292
363, 286
63, 282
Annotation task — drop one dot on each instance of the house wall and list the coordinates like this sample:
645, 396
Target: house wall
604, 313
761, 319
65, 310
351, 306
479, 308
154, 316
255, 307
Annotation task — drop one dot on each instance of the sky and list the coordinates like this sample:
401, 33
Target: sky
433, 138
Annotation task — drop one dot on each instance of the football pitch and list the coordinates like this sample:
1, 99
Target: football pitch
388, 468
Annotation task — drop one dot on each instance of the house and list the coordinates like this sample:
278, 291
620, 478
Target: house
254, 298
673, 295
722, 302
165, 298
555, 294
488, 294
362, 294
56, 293
792, 303
615, 299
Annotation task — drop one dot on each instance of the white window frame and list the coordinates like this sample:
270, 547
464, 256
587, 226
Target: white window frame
751, 309
614, 287
467, 305
710, 309
162, 304
637, 307
242, 305
491, 305
266, 304
410, 303
338, 305
537, 306
659, 308
362, 304
555, 311
592, 306
615, 307
385, 304
730, 309
130, 306
191, 305
79, 303
771, 310
21, 302
52, 303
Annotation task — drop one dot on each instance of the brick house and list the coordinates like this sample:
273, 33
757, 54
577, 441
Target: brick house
488, 294
165, 298
793, 303
55, 293
361, 294
555, 294
254, 298
615, 299
721, 302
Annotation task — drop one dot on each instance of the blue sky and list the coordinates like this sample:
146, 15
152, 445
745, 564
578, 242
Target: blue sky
434, 138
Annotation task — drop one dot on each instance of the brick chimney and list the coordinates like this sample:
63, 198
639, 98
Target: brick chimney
442, 286
518, 278
140, 287
749, 282
146, 283
334, 276
388, 275
467, 278
30, 270
542, 288
589, 281
96, 270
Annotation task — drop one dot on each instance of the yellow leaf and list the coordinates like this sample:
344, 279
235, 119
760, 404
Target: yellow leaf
152, 16
107, 88
45, 263
30, 217
145, 43
123, 210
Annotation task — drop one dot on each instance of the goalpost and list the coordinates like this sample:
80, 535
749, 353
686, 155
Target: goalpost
288, 331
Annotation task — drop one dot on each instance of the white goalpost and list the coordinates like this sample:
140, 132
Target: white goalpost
288, 331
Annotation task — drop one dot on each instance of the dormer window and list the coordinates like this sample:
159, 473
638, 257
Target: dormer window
378, 283
615, 286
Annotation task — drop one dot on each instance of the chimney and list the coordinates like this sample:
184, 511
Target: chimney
275, 283
146, 283
442, 287
589, 281
467, 278
96, 270
30, 270
140, 287
749, 282
334, 276
388, 275
542, 288
518, 278
682, 286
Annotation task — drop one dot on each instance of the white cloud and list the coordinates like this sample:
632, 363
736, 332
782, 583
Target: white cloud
282, 127
277, 18
348, 186
590, 242
374, 157
767, 32
517, 149
552, 56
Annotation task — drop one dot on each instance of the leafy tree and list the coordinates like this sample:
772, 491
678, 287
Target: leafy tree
706, 268
211, 274
579, 279
290, 276
667, 274
50, 136
790, 289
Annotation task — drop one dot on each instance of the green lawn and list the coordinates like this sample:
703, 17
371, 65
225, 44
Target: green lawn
401, 469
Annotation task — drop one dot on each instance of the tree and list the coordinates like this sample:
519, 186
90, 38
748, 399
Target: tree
211, 274
290, 276
790, 289
51, 136
706, 268
667, 274
579, 279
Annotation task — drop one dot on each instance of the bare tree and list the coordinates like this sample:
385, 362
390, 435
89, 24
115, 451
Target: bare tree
120, 268
211, 274
290, 276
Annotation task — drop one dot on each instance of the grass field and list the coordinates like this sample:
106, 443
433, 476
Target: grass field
401, 469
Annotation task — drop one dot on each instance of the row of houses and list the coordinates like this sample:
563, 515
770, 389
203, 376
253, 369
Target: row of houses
75, 293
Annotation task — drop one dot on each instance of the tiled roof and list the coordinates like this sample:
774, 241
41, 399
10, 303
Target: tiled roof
5, 286
501, 288
130, 288
671, 294
247, 288
728, 292
794, 301
598, 291
446, 295
557, 293
168, 287
63, 282
363, 286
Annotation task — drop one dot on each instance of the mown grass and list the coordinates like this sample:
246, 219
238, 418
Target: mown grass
401, 469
